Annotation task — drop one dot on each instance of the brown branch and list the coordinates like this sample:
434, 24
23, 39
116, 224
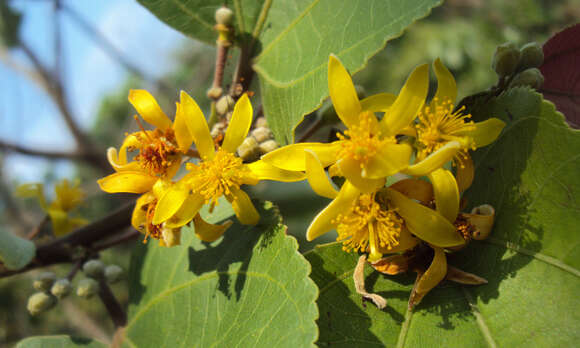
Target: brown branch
113, 306
7, 147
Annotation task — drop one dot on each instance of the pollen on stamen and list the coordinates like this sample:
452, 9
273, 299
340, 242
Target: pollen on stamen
360, 142
157, 149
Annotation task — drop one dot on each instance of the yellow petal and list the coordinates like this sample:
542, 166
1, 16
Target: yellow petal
239, 124
59, 222
465, 173
446, 86
127, 181
485, 132
169, 203
425, 223
129, 141
209, 232
407, 105
265, 171
433, 276
197, 126
170, 237
182, 135
343, 93
322, 223
378, 103
446, 193
351, 170
419, 190
117, 164
482, 218
186, 212
291, 157
435, 160
139, 217
243, 207
317, 177
147, 107
389, 159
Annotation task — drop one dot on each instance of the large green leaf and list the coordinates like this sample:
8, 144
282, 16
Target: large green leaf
300, 35
250, 288
196, 18
15, 252
62, 341
532, 259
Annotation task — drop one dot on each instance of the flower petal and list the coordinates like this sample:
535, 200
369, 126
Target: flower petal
291, 157
446, 193
170, 237
186, 212
197, 126
116, 163
485, 132
343, 93
239, 124
317, 177
407, 105
433, 276
425, 223
59, 222
243, 207
435, 160
322, 223
139, 217
265, 171
351, 170
446, 86
482, 218
380, 102
147, 107
209, 232
419, 190
465, 173
127, 181
169, 203
389, 159
182, 135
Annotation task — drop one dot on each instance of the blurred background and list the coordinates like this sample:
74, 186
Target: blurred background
65, 70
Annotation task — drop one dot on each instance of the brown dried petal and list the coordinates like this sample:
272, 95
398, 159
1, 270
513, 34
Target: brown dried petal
462, 277
359, 284
392, 265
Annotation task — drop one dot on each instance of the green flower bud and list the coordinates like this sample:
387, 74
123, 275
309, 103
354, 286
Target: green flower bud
530, 77
87, 288
268, 146
505, 59
61, 288
94, 269
224, 16
44, 281
249, 150
40, 302
262, 134
532, 55
113, 273
224, 105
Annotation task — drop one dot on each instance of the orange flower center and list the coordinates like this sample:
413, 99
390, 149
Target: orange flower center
157, 150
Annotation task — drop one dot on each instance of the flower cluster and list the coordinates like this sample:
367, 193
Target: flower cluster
423, 144
167, 203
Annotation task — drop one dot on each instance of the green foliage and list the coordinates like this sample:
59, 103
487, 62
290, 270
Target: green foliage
249, 288
59, 342
531, 260
9, 25
15, 252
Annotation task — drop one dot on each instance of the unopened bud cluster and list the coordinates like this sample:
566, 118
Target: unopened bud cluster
259, 142
521, 65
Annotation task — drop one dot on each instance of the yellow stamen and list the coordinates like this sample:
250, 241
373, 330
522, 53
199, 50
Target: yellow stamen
158, 150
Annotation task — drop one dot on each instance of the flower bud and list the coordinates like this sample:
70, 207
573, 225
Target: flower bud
224, 16
249, 149
61, 288
268, 146
87, 288
530, 77
532, 55
505, 59
262, 134
261, 122
94, 269
113, 274
44, 281
40, 302
224, 104
214, 93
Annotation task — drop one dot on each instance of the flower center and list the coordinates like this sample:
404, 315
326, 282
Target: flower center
367, 224
157, 150
361, 142
215, 177
439, 124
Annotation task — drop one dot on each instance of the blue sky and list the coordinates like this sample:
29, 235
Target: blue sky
28, 117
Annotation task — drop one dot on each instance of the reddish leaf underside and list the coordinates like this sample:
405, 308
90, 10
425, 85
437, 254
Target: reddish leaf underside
561, 70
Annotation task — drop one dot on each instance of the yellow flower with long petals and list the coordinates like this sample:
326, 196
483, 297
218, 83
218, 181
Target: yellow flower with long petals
219, 173
368, 150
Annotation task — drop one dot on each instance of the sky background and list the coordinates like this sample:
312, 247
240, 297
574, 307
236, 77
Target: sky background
27, 115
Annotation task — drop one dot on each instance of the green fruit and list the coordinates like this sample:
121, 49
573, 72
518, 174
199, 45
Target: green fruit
113, 273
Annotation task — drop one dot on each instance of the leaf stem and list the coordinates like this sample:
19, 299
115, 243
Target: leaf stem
113, 306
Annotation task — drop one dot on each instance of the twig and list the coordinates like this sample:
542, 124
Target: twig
36, 230
132, 234
113, 306
74, 270
220, 63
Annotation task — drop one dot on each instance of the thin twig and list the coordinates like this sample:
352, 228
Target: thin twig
125, 237
36, 230
74, 270
220, 63
113, 306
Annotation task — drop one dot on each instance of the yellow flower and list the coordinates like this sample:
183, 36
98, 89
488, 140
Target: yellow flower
368, 151
219, 173
68, 197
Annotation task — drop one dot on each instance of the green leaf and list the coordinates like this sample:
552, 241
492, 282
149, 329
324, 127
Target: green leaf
62, 341
531, 260
300, 35
250, 288
15, 252
196, 18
